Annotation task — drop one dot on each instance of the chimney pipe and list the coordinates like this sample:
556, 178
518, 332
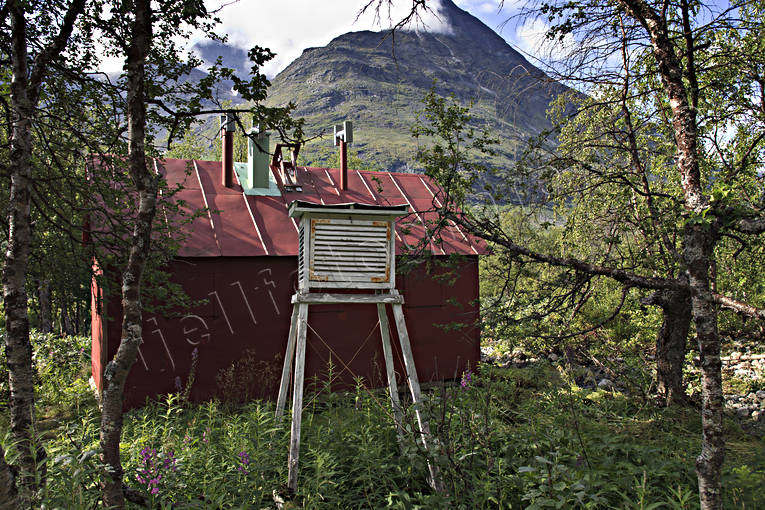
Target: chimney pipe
343, 165
258, 158
227, 126
344, 136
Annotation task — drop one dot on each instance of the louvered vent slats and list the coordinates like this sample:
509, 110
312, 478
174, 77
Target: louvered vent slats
301, 257
346, 246
350, 251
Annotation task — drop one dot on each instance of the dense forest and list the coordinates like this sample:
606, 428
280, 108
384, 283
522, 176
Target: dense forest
622, 302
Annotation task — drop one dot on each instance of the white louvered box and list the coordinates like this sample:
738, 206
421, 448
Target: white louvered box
346, 246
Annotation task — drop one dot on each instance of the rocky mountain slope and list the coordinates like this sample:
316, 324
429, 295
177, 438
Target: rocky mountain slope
379, 84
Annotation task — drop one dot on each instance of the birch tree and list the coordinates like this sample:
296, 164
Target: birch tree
139, 39
156, 95
38, 35
681, 43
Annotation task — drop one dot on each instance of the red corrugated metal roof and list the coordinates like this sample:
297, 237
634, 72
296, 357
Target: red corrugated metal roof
240, 225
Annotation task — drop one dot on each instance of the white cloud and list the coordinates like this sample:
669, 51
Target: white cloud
287, 27
487, 7
531, 38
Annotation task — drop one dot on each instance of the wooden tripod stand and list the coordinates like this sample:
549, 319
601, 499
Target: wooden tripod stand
297, 337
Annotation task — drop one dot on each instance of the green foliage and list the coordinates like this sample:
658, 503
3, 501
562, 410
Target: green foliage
456, 158
192, 146
60, 364
507, 438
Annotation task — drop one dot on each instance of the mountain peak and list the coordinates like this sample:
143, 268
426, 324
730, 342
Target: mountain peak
379, 82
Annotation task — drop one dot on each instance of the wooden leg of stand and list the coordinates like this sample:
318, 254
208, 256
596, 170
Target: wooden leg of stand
414, 387
297, 396
389, 367
284, 387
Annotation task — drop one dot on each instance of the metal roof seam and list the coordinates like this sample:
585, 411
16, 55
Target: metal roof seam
367, 187
164, 210
332, 182
209, 214
313, 183
257, 230
380, 201
260, 227
400, 190
236, 176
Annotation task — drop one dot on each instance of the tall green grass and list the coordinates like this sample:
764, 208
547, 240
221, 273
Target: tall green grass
504, 438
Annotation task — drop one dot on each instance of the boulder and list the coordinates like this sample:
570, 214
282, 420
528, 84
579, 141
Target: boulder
605, 384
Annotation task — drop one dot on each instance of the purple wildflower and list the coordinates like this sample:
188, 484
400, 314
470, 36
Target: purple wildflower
194, 354
244, 458
467, 376
152, 471
206, 435
170, 461
178, 384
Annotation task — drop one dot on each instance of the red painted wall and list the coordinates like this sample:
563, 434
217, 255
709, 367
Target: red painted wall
240, 333
97, 330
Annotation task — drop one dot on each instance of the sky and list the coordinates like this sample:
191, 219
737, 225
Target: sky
288, 27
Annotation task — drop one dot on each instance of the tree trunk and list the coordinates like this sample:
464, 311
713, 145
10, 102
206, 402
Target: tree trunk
25, 87
8, 499
66, 322
698, 253
146, 183
43, 296
670, 351
18, 348
698, 237
671, 343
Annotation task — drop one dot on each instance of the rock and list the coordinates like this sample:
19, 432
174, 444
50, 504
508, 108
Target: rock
751, 397
742, 413
735, 355
760, 394
606, 384
553, 357
758, 415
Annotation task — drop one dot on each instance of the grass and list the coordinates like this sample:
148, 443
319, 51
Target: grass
510, 438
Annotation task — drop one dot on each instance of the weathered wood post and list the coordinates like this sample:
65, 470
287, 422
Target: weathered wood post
347, 247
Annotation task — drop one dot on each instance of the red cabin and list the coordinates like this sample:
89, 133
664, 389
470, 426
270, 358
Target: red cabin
241, 261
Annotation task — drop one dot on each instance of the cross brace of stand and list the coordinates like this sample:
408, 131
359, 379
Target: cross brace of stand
297, 339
